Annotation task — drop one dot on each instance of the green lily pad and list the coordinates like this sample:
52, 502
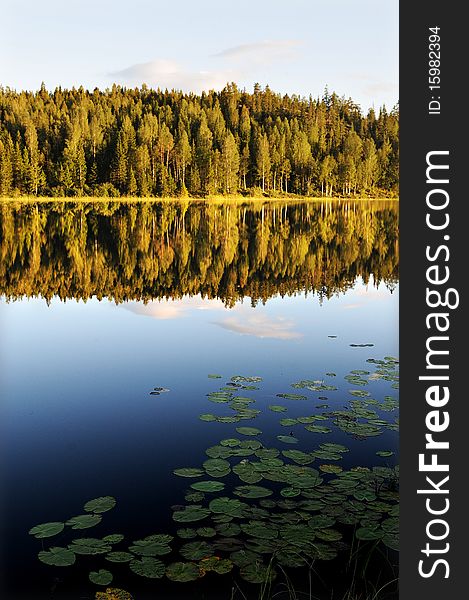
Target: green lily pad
189, 472
385, 453
228, 506
292, 396
57, 557
367, 533
196, 550
187, 533
89, 546
84, 521
208, 486
191, 513
230, 442
290, 492
318, 429
277, 408
207, 417
100, 505
119, 557
148, 567
328, 535
330, 468
266, 453
248, 430
391, 541
301, 458
287, 439
228, 529
194, 497
114, 538
217, 467
101, 577
331, 447
250, 444
247, 472
206, 532
218, 565
367, 495
321, 522
183, 572
46, 530
260, 529
288, 422
242, 558
213, 376
252, 491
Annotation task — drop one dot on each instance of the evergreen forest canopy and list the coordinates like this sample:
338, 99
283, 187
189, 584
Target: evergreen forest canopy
144, 142
149, 249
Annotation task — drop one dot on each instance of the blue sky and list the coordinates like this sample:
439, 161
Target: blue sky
299, 46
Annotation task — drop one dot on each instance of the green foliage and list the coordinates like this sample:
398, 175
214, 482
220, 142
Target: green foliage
154, 143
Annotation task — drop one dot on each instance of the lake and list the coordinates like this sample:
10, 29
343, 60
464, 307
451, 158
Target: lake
250, 347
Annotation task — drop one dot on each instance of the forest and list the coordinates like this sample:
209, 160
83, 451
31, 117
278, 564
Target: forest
145, 250
145, 142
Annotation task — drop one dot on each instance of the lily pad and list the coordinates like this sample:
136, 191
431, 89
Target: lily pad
228, 506
191, 513
148, 567
57, 557
301, 458
101, 577
187, 533
208, 486
189, 472
318, 429
84, 521
113, 594
230, 442
247, 472
367, 533
46, 530
290, 492
288, 422
100, 505
330, 468
252, 491
292, 396
196, 550
206, 532
385, 453
213, 376
119, 557
248, 430
277, 408
90, 546
113, 538
183, 572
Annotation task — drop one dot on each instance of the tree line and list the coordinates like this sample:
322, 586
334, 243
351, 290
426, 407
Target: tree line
145, 142
145, 250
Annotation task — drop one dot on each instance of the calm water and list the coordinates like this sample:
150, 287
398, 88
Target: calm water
102, 303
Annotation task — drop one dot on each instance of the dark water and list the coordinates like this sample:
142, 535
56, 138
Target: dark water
103, 302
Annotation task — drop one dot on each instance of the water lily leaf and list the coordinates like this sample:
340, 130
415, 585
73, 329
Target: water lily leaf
292, 396
196, 550
206, 532
208, 486
242, 558
301, 458
330, 468
385, 453
288, 422
186, 533
213, 376
260, 529
230, 442
189, 472
328, 535
391, 541
221, 566
194, 497
148, 567
331, 447
101, 577
217, 467
150, 549
252, 491
46, 530
367, 495
57, 557
247, 472
287, 439
297, 535
277, 408
119, 557
367, 533
266, 453
183, 572
228, 544
248, 430
331, 374
242, 379
321, 522
318, 428
290, 492
90, 546
228, 506
191, 513
207, 417
251, 444
228, 529
114, 538
84, 521
100, 505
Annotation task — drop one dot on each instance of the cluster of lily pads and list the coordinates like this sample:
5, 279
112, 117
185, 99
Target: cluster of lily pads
253, 507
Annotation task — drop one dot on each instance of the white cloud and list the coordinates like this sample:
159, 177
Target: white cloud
262, 52
163, 73
172, 309
261, 326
